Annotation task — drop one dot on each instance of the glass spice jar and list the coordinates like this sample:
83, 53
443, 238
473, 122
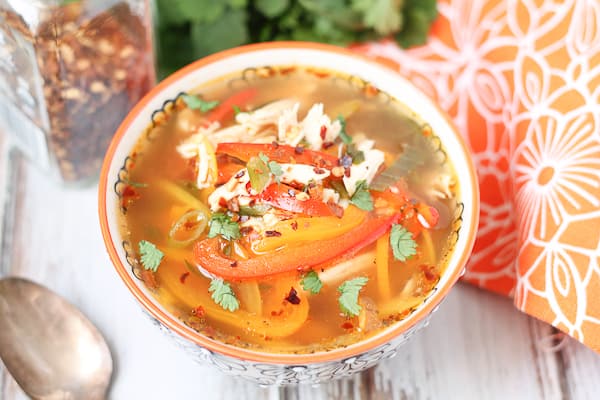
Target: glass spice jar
70, 70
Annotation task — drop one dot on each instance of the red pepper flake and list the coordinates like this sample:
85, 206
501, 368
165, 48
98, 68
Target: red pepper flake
233, 264
275, 144
198, 311
323, 132
336, 209
272, 233
299, 150
240, 174
245, 230
347, 172
295, 225
347, 325
268, 338
249, 188
222, 202
318, 171
277, 313
234, 205
292, 297
252, 203
183, 277
430, 272
327, 145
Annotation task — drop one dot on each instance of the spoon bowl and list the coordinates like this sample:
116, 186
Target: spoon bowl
50, 348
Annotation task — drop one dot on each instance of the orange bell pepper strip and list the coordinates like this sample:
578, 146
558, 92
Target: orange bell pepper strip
282, 196
208, 254
225, 109
279, 152
306, 229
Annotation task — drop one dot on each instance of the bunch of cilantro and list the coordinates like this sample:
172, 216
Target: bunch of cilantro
190, 29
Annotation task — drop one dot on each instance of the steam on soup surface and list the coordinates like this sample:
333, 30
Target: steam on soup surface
290, 211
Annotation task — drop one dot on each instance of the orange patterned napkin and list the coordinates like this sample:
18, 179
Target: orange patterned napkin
521, 78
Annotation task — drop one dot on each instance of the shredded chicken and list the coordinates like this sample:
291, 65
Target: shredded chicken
367, 169
316, 128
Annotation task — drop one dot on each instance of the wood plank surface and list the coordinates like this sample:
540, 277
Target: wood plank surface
478, 346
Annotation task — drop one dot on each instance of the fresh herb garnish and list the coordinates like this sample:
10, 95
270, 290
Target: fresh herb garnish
258, 172
223, 295
187, 32
221, 224
196, 103
260, 169
402, 242
348, 299
347, 139
311, 282
362, 197
236, 109
358, 156
274, 167
150, 255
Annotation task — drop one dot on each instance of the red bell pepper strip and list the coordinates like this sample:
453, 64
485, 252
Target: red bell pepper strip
283, 197
225, 109
208, 254
280, 153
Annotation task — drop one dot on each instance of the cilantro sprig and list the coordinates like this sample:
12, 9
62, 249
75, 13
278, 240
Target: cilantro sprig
402, 242
311, 282
197, 103
362, 197
150, 255
346, 139
348, 299
223, 294
187, 31
222, 224
260, 169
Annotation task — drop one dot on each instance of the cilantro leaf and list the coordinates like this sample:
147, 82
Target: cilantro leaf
271, 8
346, 139
384, 16
358, 156
348, 299
196, 103
258, 172
311, 282
362, 197
150, 255
402, 242
223, 295
221, 224
236, 109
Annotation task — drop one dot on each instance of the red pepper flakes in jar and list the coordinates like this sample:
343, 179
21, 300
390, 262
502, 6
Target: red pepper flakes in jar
92, 61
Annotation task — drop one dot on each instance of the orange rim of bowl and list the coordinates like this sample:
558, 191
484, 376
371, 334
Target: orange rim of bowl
252, 355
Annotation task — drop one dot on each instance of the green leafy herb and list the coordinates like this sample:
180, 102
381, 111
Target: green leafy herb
150, 255
223, 295
196, 103
221, 224
311, 282
258, 172
236, 109
347, 139
402, 242
348, 299
357, 155
362, 197
190, 29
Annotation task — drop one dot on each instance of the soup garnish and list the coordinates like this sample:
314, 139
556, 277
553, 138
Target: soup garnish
297, 213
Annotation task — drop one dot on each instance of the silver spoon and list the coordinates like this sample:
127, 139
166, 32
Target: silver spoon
50, 348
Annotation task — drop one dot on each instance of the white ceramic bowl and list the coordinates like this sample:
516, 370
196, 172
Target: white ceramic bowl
263, 367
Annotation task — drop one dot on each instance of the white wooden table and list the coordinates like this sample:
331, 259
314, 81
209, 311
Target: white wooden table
476, 347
